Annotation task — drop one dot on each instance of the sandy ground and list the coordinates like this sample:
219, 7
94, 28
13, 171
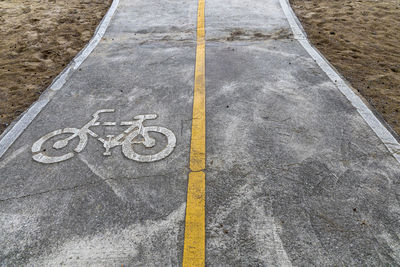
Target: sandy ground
362, 40
38, 38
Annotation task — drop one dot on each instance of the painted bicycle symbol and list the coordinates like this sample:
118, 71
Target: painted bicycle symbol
135, 134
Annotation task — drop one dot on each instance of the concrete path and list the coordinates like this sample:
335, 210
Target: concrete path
294, 174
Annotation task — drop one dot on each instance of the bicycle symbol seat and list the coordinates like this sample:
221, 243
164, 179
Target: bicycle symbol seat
127, 139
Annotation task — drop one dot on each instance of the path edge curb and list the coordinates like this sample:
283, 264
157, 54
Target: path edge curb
18, 126
381, 129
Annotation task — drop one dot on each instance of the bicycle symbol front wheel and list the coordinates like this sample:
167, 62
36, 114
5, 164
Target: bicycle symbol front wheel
127, 145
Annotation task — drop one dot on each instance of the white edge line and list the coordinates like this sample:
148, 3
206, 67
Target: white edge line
13, 132
380, 130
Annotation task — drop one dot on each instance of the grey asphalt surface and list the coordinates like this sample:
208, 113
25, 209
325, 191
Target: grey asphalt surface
294, 175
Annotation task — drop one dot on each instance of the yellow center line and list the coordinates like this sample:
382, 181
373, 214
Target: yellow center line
195, 224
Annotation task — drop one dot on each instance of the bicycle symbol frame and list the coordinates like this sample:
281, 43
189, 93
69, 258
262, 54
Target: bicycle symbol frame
126, 139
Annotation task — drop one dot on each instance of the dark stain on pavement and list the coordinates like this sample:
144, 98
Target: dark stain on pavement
240, 34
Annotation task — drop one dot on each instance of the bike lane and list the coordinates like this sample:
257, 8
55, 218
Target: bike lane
96, 210
294, 175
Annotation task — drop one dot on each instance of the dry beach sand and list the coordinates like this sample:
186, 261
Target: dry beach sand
361, 38
38, 39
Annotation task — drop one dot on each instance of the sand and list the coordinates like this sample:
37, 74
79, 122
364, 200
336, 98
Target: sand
38, 39
362, 40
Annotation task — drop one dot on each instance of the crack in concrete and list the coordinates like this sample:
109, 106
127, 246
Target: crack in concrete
94, 183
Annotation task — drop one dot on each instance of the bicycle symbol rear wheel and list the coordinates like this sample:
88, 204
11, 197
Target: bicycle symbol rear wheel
39, 153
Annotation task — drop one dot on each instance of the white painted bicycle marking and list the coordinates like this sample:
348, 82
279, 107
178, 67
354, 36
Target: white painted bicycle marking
127, 139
